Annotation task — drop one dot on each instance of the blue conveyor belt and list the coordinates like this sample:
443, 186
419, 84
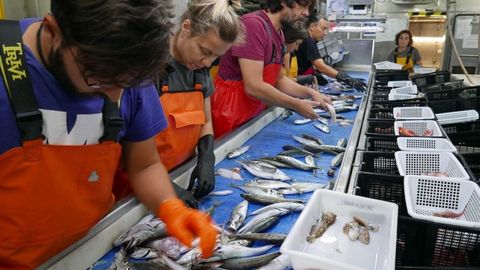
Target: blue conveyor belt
269, 142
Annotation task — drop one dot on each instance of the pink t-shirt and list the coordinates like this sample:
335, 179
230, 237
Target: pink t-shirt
257, 45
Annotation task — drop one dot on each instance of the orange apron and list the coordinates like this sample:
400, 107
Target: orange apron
231, 106
185, 112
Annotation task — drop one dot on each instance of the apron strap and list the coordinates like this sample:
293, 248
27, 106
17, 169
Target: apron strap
409, 55
112, 121
270, 36
16, 78
163, 87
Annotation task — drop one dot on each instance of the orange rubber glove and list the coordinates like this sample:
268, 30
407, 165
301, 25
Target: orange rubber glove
184, 224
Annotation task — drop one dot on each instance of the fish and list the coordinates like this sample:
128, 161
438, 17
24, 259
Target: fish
190, 257
280, 263
212, 208
141, 233
259, 191
283, 205
406, 132
274, 162
333, 115
322, 120
268, 184
169, 246
295, 163
263, 170
448, 214
143, 253
300, 188
220, 193
250, 262
310, 160
261, 199
238, 152
342, 142
321, 226
313, 138
238, 215
229, 174
322, 127
225, 252
127, 236
261, 221
326, 148
341, 117
302, 121
295, 150
337, 160
306, 142
286, 113
276, 238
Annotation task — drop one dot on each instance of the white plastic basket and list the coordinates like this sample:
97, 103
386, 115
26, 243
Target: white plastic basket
428, 197
430, 164
457, 117
400, 96
421, 128
409, 90
410, 113
425, 144
399, 83
334, 250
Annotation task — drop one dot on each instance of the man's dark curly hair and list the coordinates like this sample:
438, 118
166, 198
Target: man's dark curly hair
276, 5
118, 41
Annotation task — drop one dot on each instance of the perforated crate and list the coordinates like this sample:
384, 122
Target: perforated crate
383, 144
443, 200
420, 128
409, 90
439, 164
400, 96
379, 162
411, 113
457, 117
431, 78
425, 144
399, 83
399, 103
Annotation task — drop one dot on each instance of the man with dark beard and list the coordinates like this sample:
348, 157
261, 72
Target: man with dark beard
75, 89
249, 76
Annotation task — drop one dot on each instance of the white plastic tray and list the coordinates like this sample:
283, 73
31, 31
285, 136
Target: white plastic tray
400, 96
409, 90
419, 127
410, 113
457, 117
425, 144
334, 250
421, 163
399, 83
426, 196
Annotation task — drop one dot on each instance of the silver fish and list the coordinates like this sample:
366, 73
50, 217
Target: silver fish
326, 148
306, 142
285, 205
225, 252
285, 114
333, 115
276, 238
282, 262
272, 161
250, 262
143, 253
238, 215
322, 127
259, 225
141, 233
337, 160
293, 150
342, 142
313, 138
302, 121
296, 163
302, 187
229, 174
259, 191
260, 218
268, 184
220, 193
261, 199
169, 246
127, 236
322, 120
310, 160
263, 170
238, 151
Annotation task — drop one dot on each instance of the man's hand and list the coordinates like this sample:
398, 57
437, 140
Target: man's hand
204, 171
355, 83
185, 196
185, 224
305, 108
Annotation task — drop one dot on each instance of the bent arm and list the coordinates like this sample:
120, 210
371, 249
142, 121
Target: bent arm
322, 67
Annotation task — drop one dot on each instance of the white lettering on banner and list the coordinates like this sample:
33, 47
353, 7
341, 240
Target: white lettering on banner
88, 128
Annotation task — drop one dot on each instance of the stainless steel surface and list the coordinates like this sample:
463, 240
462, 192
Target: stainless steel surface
353, 180
360, 57
127, 212
345, 169
388, 6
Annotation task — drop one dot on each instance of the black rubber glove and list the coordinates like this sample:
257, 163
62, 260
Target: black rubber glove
204, 171
320, 79
305, 79
185, 196
355, 83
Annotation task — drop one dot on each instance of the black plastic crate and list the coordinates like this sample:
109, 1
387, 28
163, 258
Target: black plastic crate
398, 103
464, 134
443, 86
384, 76
380, 128
382, 144
464, 92
473, 162
431, 78
452, 105
381, 114
379, 162
436, 246
381, 89
380, 97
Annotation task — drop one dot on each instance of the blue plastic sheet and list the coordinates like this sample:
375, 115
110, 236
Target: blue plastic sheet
269, 142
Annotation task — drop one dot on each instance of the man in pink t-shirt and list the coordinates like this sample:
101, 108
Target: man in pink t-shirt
249, 76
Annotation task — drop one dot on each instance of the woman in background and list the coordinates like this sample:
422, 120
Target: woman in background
405, 54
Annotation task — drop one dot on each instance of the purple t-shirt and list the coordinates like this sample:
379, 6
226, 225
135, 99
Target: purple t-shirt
74, 120
257, 46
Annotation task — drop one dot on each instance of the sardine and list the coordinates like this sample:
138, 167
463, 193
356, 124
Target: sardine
333, 115
220, 193
229, 174
322, 127
263, 170
261, 199
268, 184
225, 252
302, 121
306, 142
295, 163
238, 215
282, 262
276, 238
284, 205
257, 223
337, 160
238, 151
313, 138
295, 150
250, 262
322, 120
274, 162
259, 191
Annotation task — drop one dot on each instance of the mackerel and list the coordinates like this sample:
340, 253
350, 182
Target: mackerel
322, 127
260, 219
268, 184
284, 205
306, 142
238, 151
229, 174
259, 191
272, 161
313, 138
275, 238
296, 150
261, 199
260, 225
225, 252
249, 263
263, 170
238, 215
296, 163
